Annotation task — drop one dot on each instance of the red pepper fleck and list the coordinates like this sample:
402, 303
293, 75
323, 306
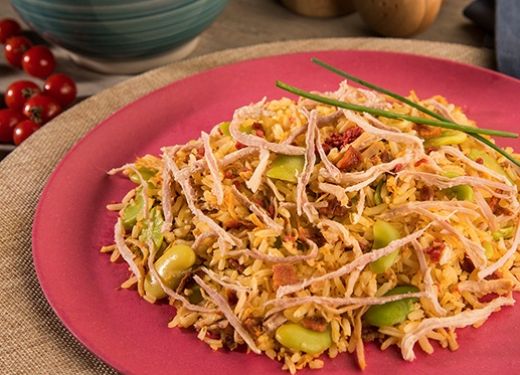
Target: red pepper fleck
480, 161
239, 145
420, 162
200, 152
259, 133
432, 149
488, 297
435, 250
338, 140
398, 167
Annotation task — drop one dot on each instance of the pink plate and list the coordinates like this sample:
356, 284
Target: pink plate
71, 222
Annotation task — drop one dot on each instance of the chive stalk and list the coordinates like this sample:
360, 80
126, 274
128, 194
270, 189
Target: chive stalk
417, 106
393, 115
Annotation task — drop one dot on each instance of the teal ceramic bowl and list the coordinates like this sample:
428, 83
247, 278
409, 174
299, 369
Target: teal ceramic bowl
119, 29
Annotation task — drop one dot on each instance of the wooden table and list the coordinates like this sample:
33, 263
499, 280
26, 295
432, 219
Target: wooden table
248, 22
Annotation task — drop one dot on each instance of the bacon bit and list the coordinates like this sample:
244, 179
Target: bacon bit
435, 250
398, 168
496, 208
231, 296
235, 265
200, 152
426, 193
467, 265
270, 210
494, 276
316, 323
338, 140
426, 131
232, 224
350, 160
334, 208
480, 161
259, 129
488, 297
432, 149
312, 234
239, 145
254, 326
284, 274
420, 162
385, 156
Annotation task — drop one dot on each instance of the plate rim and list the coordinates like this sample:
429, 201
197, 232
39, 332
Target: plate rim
68, 322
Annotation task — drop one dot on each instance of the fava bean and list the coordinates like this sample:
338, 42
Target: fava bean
299, 338
462, 192
384, 233
146, 173
391, 313
286, 167
130, 212
175, 260
506, 232
448, 137
488, 247
488, 161
153, 228
224, 128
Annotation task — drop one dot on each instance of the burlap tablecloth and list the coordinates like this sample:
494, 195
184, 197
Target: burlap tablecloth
32, 339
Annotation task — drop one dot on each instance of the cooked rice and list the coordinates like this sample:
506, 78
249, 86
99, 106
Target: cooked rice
271, 251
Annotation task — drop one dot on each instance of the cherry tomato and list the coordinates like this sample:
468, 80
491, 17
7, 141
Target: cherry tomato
19, 92
41, 108
15, 48
8, 28
60, 87
23, 130
39, 62
8, 120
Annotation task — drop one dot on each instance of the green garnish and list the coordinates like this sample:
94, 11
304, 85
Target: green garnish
425, 110
445, 124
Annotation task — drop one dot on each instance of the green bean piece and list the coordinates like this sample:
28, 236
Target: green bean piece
170, 266
301, 339
153, 229
384, 233
391, 313
131, 211
446, 138
377, 194
146, 173
488, 161
286, 168
505, 233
